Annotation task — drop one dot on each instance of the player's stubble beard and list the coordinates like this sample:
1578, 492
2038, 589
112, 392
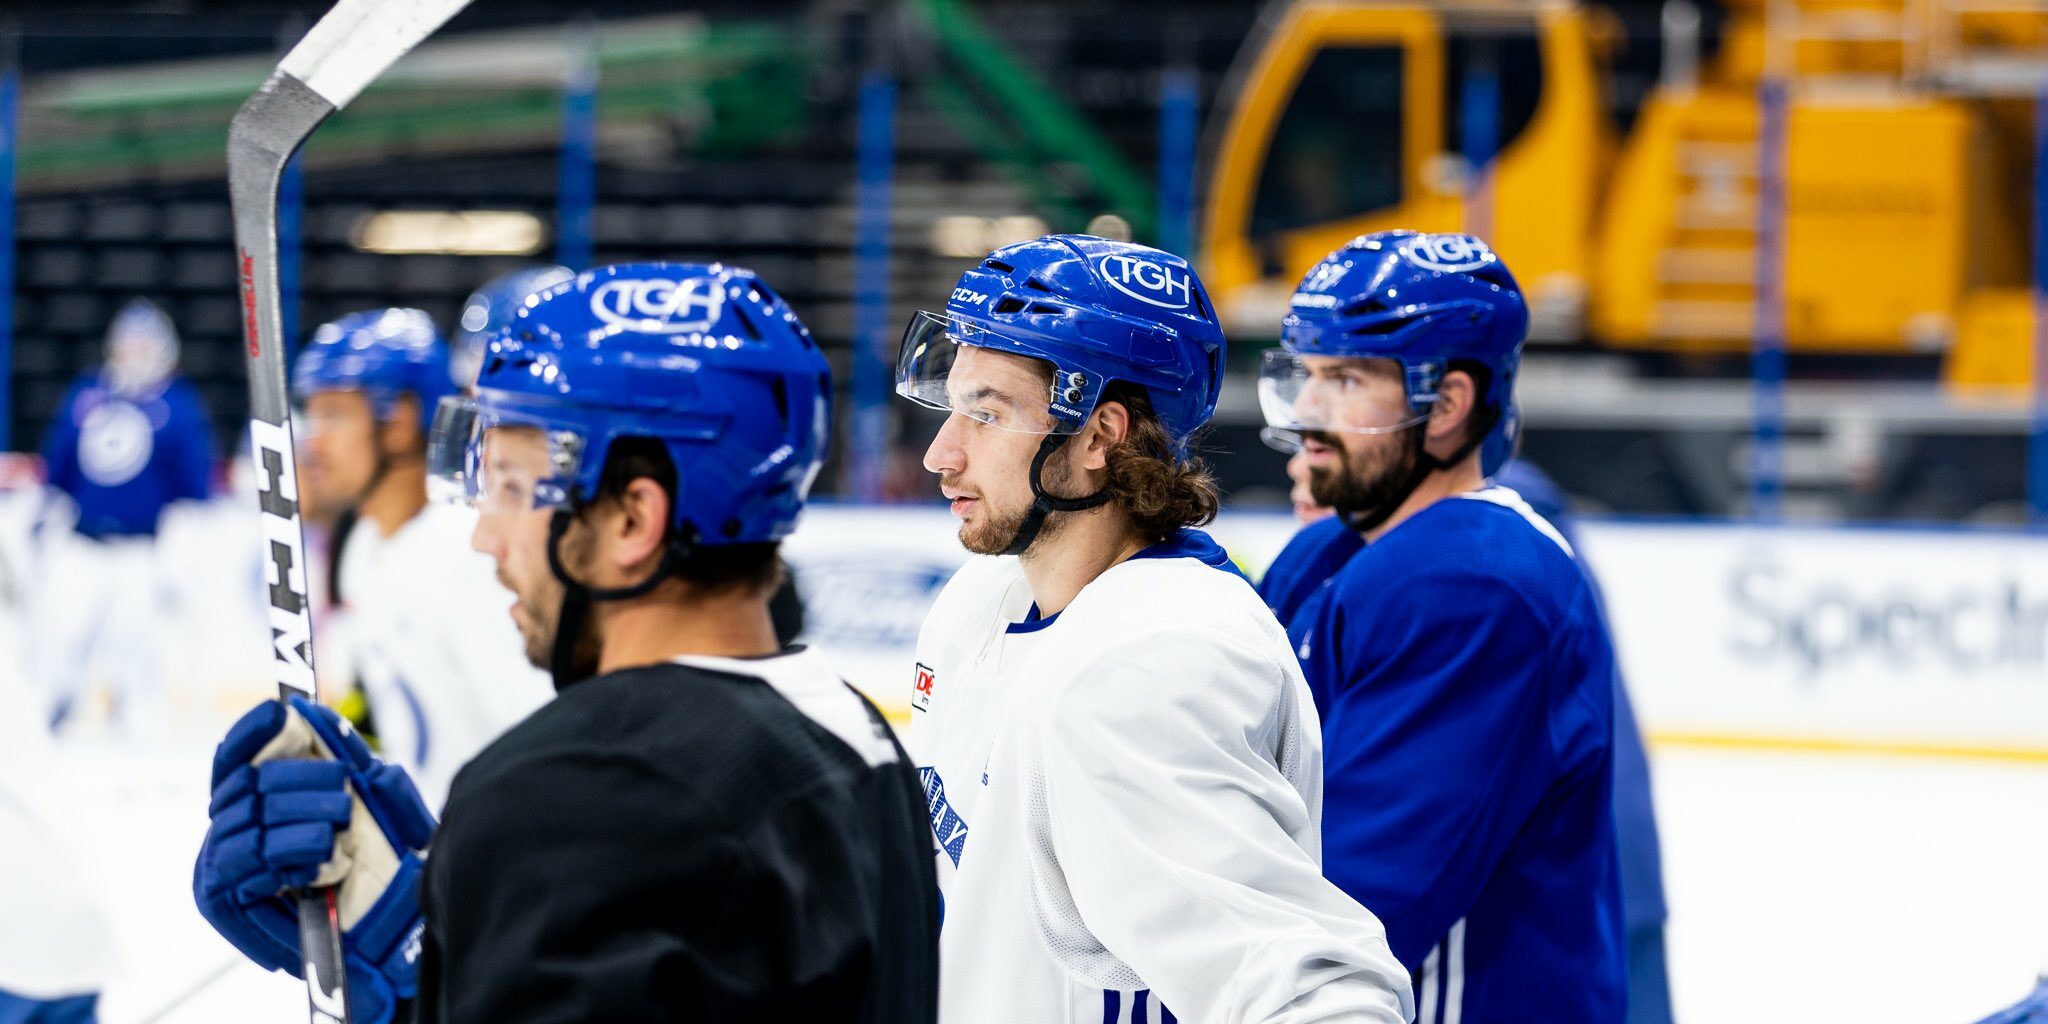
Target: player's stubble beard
539, 615
1363, 481
998, 529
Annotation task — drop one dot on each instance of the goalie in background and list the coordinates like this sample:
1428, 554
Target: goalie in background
130, 439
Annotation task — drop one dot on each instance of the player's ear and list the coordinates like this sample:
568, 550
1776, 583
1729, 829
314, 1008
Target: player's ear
1455, 397
642, 523
1108, 428
402, 433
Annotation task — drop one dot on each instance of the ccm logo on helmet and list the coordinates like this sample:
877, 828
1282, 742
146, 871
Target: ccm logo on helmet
1147, 281
1452, 253
654, 306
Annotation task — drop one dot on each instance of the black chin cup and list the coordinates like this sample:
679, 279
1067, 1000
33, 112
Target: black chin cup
577, 598
1043, 504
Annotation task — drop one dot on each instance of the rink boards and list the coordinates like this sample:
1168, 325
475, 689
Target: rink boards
1731, 634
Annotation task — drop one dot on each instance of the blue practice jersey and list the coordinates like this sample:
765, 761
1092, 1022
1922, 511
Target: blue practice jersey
1466, 683
122, 458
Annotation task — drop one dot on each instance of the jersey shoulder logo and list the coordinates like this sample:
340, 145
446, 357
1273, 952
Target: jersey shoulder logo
921, 688
947, 826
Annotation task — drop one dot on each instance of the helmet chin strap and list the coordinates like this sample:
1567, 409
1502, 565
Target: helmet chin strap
1361, 520
577, 597
1043, 504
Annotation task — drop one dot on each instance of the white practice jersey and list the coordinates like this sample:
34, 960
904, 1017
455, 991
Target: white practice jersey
428, 633
1127, 800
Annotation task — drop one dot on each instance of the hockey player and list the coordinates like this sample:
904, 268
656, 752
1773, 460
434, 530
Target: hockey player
441, 681
701, 826
1303, 502
1309, 563
129, 440
1459, 659
1119, 756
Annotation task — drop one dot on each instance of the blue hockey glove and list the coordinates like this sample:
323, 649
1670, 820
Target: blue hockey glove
299, 801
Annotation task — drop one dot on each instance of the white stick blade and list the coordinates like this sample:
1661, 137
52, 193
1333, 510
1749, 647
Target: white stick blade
358, 39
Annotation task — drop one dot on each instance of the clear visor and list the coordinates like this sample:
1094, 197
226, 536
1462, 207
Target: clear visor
945, 364
1346, 395
498, 465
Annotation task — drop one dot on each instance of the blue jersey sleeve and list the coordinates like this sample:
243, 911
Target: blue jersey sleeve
1443, 733
189, 440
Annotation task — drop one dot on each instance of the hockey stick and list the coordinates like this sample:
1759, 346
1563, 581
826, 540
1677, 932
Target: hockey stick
344, 52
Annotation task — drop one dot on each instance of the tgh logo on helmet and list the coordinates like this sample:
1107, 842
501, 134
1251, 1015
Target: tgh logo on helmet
1147, 281
655, 306
1453, 253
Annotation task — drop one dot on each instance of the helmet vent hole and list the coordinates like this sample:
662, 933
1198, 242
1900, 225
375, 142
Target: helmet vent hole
1034, 283
1383, 327
781, 391
1365, 308
1047, 309
1006, 304
739, 312
999, 266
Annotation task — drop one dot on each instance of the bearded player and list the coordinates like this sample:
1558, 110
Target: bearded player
1459, 657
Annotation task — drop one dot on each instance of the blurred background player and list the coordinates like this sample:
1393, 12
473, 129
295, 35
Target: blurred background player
131, 438
1460, 658
441, 678
703, 826
1118, 752
1299, 498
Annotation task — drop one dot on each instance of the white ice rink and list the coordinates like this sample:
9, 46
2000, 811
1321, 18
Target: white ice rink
1803, 887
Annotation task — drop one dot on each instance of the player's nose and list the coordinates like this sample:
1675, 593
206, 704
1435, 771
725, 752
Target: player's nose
485, 537
946, 454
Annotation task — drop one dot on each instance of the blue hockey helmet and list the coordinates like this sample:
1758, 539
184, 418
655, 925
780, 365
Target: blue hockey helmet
1420, 300
384, 353
489, 309
705, 359
1097, 311
142, 347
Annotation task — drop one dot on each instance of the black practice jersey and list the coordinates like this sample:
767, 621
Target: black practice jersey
711, 840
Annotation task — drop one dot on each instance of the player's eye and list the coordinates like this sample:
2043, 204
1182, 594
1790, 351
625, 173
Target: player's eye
981, 414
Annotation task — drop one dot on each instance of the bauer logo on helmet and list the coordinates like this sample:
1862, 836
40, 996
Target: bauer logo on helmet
655, 306
1450, 253
1147, 281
